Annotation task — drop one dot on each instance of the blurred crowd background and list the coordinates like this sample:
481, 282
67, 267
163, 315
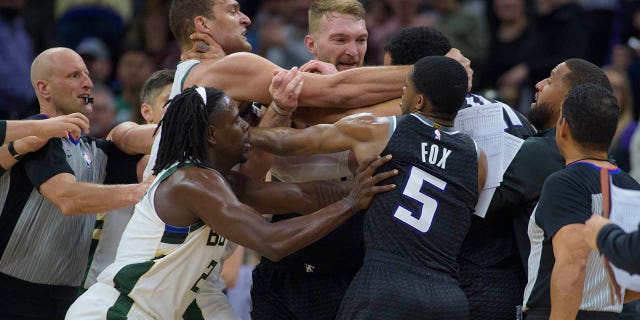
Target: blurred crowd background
512, 43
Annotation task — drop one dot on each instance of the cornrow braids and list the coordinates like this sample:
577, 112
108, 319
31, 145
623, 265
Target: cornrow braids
184, 126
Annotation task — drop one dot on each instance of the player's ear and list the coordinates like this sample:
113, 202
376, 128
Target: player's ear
310, 43
147, 112
43, 89
418, 102
211, 135
201, 24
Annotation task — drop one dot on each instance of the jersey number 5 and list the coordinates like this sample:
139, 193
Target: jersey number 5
429, 205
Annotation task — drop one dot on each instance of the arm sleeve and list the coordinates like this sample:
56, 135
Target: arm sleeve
47, 162
121, 167
3, 131
562, 202
621, 248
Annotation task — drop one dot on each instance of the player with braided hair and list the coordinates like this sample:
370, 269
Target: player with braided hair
178, 234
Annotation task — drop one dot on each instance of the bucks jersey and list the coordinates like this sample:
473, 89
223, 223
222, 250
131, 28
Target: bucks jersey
158, 271
182, 71
426, 217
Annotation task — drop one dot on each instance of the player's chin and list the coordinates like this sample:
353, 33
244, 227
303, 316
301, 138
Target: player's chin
86, 109
247, 46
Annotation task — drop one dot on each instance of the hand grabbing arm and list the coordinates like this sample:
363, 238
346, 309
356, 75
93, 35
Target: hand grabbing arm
71, 125
317, 66
285, 88
243, 225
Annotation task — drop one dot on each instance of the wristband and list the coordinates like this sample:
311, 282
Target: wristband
13, 151
279, 111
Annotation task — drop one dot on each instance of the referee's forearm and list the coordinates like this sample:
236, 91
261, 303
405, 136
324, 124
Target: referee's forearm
567, 282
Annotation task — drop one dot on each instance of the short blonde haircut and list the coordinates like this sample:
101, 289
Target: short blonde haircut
322, 7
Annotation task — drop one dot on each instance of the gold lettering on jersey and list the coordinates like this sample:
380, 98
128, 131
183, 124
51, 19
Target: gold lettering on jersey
215, 239
433, 155
195, 288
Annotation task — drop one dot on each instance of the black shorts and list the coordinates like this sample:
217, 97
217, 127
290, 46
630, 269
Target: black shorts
389, 287
281, 294
23, 300
493, 292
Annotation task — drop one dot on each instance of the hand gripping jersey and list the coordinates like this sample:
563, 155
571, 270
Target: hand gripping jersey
159, 270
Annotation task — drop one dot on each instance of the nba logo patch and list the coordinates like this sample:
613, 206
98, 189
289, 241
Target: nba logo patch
87, 159
437, 134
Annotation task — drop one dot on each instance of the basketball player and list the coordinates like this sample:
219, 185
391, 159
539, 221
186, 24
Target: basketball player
445, 161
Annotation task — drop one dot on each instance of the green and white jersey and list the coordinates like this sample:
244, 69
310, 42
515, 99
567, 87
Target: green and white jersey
182, 71
158, 271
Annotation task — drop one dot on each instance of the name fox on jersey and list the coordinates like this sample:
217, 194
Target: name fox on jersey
434, 154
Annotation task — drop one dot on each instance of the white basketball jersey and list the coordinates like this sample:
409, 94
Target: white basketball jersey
158, 271
182, 70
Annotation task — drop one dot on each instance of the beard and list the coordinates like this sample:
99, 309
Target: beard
540, 115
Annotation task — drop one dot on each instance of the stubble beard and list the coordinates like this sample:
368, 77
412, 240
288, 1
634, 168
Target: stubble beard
540, 115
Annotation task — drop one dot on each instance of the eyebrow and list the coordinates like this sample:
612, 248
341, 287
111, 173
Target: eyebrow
341, 34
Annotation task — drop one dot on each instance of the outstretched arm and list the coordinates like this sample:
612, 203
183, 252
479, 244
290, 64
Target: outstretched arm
332, 115
28, 136
285, 88
74, 197
243, 225
285, 197
246, 77
66, 126
346, 134
133, 138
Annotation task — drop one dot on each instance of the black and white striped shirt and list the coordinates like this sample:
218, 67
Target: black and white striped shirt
37, 242
569, 196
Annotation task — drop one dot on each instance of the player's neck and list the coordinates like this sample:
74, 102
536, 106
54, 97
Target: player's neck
437, 119
599, 158
49, 110
220, 165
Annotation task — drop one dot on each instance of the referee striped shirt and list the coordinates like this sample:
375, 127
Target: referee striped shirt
37, 242
569, 196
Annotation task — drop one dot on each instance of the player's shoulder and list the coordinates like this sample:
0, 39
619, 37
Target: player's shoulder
364, 117
193, 179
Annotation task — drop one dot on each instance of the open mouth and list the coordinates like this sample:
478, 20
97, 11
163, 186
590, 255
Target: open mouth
345, 66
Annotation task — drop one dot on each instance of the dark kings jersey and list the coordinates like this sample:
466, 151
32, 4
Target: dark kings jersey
426, 217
